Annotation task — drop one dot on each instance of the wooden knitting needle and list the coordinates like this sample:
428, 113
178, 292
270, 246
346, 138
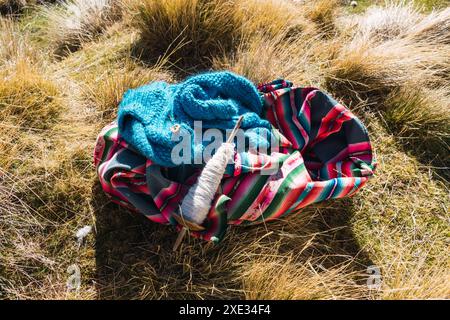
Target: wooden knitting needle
235, 129
188, 225
180, 238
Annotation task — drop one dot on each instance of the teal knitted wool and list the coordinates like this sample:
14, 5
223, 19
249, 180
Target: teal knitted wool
148, 114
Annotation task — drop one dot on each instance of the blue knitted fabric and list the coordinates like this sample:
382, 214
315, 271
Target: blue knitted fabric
147, 114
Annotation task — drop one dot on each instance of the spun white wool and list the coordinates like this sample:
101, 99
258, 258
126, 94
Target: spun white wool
197, 202
82, 233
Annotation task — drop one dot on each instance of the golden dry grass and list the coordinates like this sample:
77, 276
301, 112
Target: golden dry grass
27, 99
190, 31
393, 76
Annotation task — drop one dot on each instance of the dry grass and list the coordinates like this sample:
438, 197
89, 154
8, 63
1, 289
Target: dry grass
281, 278
383, 23
14, 6
421, 118
396, 60
74, 22
257, 17
108, 70
401, 219
390, 65
368, 70
38, 158
188, 31
263, 59
417, 281
323, 13
27, 99
16, 45
110, 88
192, 33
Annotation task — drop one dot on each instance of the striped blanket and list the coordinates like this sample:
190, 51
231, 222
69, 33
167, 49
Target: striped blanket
324, 153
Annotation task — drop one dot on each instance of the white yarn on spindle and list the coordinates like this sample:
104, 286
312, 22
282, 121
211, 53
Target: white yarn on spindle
197, 202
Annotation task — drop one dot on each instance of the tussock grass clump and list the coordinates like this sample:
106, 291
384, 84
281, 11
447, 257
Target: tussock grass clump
188, 32
263, 59
406, 280
426, 112
323, 14
368, 70
74, 22
12, 44
27, 99
110, 51
421, 119
110, 88
399, 64
281, 278
192, 33
402, 20
15, 45
409, 38
434, 28
258, 19
387, 22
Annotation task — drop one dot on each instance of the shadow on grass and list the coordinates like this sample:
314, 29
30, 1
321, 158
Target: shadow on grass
433, 156
134, 258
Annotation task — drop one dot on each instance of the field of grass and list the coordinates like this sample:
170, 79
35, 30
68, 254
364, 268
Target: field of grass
64, 67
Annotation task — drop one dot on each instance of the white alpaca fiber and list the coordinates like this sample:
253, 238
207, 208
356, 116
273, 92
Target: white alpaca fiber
82, 233
197, 202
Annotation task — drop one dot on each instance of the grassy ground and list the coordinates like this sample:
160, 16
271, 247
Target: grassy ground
64, 68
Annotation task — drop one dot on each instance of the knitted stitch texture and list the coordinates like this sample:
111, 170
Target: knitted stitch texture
147, 114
